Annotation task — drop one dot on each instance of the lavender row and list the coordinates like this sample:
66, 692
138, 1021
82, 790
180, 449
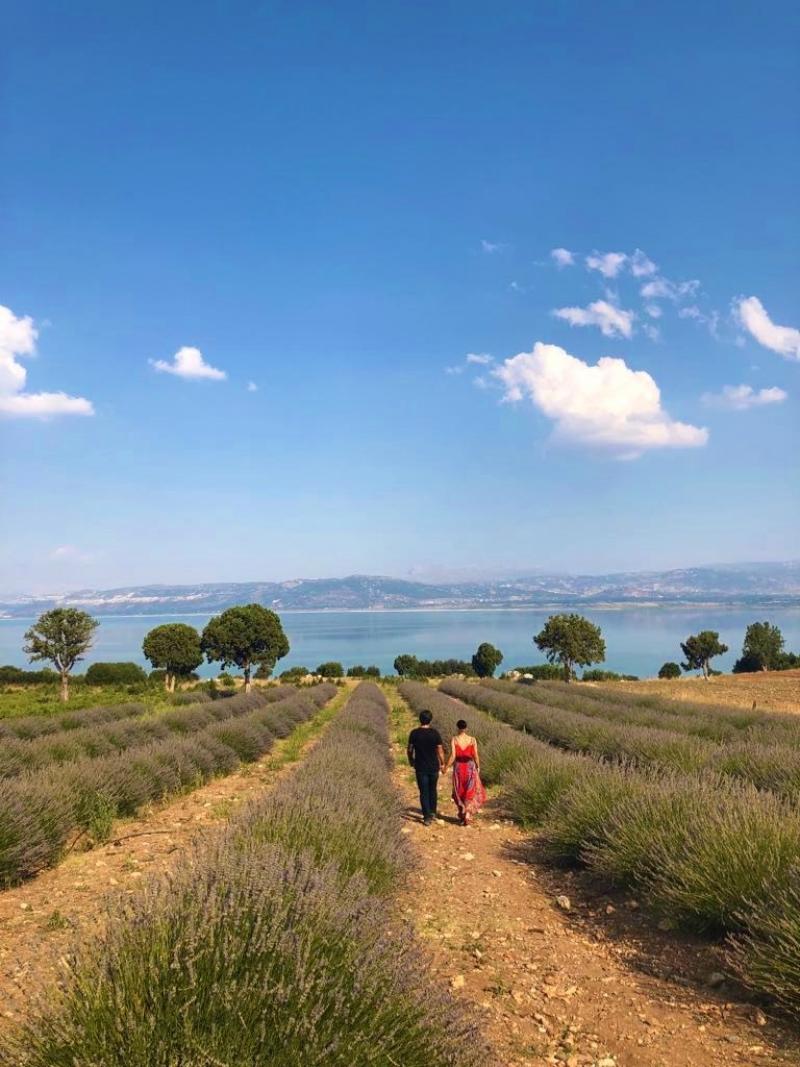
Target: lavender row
707, 852
40, 812
18, 756
768, 767
274, 944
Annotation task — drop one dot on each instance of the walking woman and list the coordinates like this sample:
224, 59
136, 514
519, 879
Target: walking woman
468, 791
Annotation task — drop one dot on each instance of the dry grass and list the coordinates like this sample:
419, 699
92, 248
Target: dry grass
771, 690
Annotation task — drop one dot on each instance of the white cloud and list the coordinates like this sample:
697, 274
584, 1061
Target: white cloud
189, 363
651, 331
664, 289
252, 387
691, 312
481, 358
742, 397
654, 311
492, 246
70, 553
612, 320
606, 406
608, 263
785, 340
641, 265
454, 370
18, 338
562, 257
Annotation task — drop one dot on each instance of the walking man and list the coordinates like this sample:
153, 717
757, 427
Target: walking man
426, 755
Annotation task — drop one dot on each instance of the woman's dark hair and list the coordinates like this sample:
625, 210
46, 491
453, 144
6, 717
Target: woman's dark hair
425, 717
461, 724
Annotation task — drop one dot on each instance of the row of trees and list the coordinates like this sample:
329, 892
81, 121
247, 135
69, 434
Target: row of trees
249, 637
483, 664
252, 638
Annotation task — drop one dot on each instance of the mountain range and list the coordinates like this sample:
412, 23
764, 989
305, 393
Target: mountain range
729, 584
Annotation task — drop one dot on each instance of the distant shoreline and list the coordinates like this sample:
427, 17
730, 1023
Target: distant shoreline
610, 606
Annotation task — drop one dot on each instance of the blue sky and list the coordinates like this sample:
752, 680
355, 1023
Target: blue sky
333, 205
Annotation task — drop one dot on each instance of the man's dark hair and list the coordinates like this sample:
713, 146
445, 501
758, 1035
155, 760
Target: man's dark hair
461, 724
425, 717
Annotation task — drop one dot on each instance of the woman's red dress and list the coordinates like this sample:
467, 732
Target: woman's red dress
468, 791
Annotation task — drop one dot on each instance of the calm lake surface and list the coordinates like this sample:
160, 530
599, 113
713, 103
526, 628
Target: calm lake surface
638, 640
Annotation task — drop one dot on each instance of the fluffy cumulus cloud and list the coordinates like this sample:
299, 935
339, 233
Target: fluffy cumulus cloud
785, 340
18, 340
492, 246
562, 257
641, 265
608, 263
188, 362
607, 406
743, 397
664, 289
611, 320
479, 358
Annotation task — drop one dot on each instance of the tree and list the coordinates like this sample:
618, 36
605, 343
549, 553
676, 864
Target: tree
762, 649
406, 665
60, 636
700, 649
669, 670
571, 640
175, 648
245, 636
115, 674
486, 660
331, 669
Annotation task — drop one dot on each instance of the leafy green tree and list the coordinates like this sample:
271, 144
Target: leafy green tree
174, 648
669, 670
406, 665
245, 636
762, 649
572, 641
486, 660
330, 669
359, 671
61, 636
700, 649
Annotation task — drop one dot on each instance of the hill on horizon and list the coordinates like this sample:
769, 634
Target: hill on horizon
724, 584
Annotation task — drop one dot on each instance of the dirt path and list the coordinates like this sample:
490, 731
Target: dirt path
547, 980
41, 919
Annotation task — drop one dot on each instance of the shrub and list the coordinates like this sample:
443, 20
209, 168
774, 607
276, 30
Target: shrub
541, 672
17, 676
227, 680
607, 676
115, 674
330, 669
669, 670
294, 674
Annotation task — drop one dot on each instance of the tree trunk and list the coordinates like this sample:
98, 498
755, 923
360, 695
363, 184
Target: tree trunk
166, 681
64, 687
567, 671
172, 679
705, 669
247, 685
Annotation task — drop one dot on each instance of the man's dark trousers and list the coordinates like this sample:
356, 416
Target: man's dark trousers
427, 782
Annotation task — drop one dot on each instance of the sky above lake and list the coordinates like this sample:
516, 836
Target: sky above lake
306, 289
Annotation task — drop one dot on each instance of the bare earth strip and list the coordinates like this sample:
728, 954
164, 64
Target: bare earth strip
550, 989
41, 919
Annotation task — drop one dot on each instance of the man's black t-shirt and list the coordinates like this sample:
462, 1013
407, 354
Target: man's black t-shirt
423, 743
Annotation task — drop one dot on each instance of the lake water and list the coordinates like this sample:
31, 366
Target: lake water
638, 640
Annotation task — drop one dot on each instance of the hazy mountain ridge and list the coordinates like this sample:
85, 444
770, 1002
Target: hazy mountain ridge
747, 583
